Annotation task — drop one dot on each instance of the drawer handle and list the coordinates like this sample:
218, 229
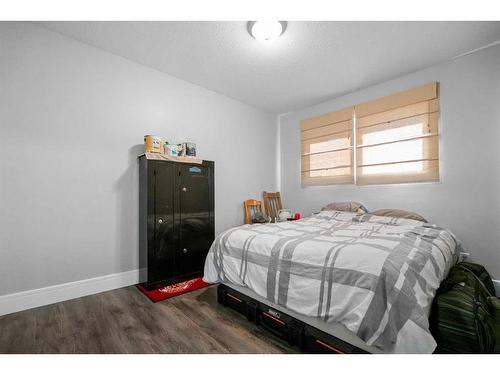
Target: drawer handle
160, 221
233, 297
329, 346
185, 250
273, 318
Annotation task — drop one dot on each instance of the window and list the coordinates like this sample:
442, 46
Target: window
396, 140
326, 149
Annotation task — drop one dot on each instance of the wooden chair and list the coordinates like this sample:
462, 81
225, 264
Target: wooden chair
272, 204
251, 206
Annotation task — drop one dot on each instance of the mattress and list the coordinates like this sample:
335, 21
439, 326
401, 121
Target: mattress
374, 275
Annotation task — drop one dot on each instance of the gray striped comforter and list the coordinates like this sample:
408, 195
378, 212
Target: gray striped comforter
375, 275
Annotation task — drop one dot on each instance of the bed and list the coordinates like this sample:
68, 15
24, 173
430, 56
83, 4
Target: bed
374, 275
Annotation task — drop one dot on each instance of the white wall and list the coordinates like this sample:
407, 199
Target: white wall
467, 200
72, 119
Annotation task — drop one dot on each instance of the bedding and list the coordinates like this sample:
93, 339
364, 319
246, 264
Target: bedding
345, 206
375, 275
392, 212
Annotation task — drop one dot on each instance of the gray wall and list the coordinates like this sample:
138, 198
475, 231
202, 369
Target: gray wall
467, 200
72, 118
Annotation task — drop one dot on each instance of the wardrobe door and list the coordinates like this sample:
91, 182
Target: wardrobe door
162, 266
196, 229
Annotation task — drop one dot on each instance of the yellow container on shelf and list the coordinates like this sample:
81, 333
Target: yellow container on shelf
153, 143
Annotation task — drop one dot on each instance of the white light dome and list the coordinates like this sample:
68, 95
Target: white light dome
266, 31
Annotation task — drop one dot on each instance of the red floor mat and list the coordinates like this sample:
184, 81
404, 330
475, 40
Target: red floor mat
170, 291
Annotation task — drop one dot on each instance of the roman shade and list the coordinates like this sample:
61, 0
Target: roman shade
326, 149
397, 137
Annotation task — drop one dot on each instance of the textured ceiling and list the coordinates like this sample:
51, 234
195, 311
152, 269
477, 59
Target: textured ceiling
310, 63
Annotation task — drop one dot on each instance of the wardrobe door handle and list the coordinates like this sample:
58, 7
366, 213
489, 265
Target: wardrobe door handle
185, 250
160, 221
184, 189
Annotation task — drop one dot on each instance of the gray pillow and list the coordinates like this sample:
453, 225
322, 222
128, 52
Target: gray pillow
393, 212
345, 206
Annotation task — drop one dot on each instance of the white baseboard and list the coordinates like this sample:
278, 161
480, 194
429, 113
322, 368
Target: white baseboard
497, 287
56, 293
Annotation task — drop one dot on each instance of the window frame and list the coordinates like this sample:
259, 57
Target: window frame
417, 103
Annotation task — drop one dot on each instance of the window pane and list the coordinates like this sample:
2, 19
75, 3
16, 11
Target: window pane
399, 113
396, 173
391, 134
328, 143
326, 160
332, 144
330, 172
326, 130
393, 152
398, 168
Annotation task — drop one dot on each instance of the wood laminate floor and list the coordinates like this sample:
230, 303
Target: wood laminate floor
126, 321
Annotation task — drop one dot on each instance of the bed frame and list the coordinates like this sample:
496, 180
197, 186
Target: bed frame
307, 334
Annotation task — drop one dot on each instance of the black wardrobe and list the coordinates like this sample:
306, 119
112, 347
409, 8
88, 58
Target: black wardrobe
176, 213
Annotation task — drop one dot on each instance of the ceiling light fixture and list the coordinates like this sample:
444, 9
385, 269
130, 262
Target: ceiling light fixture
266, 31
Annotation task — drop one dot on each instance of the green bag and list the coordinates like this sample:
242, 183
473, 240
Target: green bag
482, 274
487, 283
463, 313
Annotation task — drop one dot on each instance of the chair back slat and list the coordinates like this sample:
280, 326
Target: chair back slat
272, 204
251, 206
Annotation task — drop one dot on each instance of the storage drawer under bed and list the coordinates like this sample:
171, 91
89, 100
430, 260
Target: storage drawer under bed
294, 331
320, 342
